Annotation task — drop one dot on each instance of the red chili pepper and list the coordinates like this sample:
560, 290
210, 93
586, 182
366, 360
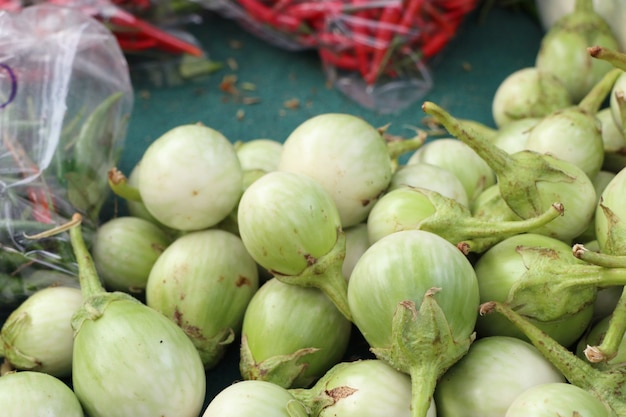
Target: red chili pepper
361, 32
435, 44
362, 50
131, 43
389, 18
311, 10
39, 197
10, 5
135, 5
337, 41
280, 5
465, 5
108, 12
341, 61
265, 14
443, 21
409, 18
164, 39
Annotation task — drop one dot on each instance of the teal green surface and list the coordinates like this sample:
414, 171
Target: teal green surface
466, 75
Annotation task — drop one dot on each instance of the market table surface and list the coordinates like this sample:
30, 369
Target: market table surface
466, 75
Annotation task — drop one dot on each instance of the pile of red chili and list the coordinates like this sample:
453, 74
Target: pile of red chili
376, 38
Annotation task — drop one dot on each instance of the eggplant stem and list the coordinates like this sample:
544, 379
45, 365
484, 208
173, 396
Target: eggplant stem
56, 230
575, 370
498, 159
88, 276
616, 58
620, 102
397, 148
473, 234
595, 97
120, 187
597, 258
424, 377
614, 335
483, 228
584, 6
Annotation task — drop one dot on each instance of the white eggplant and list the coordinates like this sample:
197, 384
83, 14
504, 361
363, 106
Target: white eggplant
38, 335
130, 360
31, 393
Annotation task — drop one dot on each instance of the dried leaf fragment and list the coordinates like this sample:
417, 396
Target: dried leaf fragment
293, 103
228, 84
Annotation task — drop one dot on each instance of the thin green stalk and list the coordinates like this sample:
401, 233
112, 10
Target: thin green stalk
607, 386
616, 58
397, 148
595, 97
423, 382
498, 160
120, 186
614, 335
455, 223
584, 6
477, 228
90, 283
598, 258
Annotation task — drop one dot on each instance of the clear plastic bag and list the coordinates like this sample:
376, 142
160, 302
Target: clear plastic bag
377, 63
65, 101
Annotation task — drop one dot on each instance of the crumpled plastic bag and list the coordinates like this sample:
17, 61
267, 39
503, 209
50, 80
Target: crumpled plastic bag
65, 101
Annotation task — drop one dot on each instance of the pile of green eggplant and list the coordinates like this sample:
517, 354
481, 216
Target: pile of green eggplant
479, 269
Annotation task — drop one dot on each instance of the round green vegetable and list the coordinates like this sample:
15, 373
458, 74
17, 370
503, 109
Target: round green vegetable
124, 251
203, 282
129, 359
487, 380
32, 393
291, 335
190, 178
414, 297
38, 335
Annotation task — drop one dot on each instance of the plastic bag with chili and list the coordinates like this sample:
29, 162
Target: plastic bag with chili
65, 101
377, 52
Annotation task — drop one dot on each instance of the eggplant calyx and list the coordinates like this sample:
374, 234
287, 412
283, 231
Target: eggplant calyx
423, 346
286, 371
